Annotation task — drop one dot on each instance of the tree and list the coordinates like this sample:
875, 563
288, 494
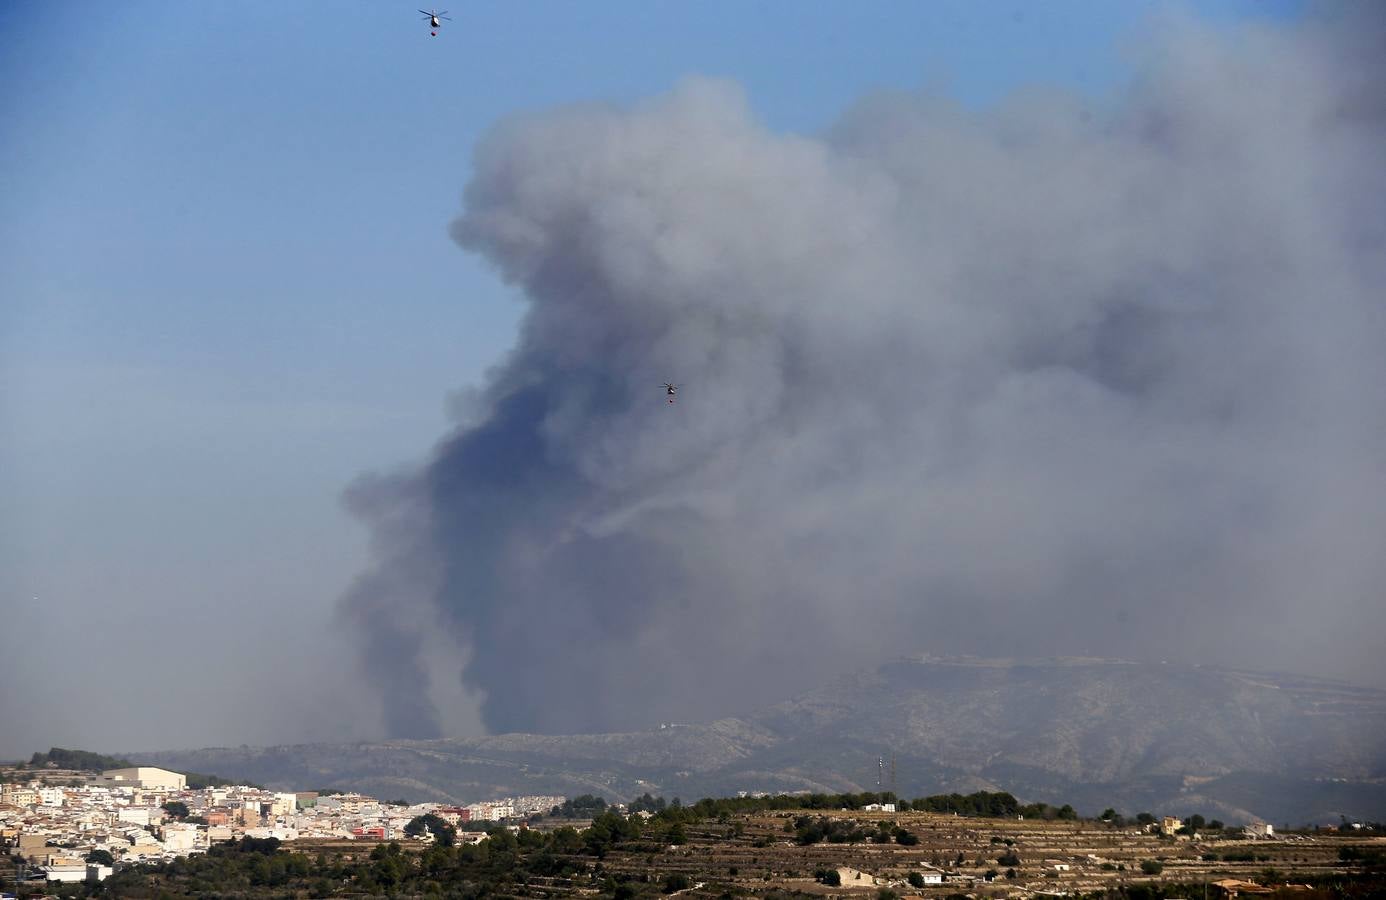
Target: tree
99, 857
916, 880
1152, 866
1196, 821
1108, 814
586, 806
84, 760
176, 808
1009, 858
676, 881
442, 831
1215, 825
647, 803
830, 877
1145, 818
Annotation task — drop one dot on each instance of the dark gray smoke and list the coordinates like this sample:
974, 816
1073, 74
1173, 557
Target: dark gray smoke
1047, 379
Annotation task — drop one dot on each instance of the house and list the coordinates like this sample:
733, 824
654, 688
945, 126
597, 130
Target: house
1259, 830
1232, 887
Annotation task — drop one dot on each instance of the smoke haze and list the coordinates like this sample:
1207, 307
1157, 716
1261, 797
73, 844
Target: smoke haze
1051, 378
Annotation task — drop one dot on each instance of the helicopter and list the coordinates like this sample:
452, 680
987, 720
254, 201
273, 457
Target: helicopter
435, 20
671, 390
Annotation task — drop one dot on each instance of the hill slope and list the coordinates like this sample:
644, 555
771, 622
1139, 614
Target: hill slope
1094, 733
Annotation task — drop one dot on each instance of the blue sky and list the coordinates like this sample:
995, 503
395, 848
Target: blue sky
227, 290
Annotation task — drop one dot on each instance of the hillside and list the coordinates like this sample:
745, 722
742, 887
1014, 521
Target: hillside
1090, 732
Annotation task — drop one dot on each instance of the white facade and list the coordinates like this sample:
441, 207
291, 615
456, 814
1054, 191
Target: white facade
139, 815
144, 777
66, 873
51, 796
180, 838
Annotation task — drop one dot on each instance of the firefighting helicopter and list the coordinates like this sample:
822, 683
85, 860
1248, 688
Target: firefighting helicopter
435, 20
671, 390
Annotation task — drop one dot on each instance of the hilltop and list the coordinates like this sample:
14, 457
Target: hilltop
1092, 732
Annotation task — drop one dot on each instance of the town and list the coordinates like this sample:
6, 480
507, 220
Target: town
70, 826
74, 830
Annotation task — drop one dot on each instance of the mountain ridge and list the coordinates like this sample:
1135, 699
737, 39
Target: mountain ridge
1088, 731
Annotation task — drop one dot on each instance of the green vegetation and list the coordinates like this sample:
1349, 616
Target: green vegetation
1367, 857
584, 807
176, 808
812, 830
619, 856
197, 782
646, 803
443, 832
982, 804
81, 760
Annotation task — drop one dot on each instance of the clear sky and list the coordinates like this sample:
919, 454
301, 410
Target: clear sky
227, 290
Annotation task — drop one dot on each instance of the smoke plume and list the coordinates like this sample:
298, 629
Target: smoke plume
1056, 377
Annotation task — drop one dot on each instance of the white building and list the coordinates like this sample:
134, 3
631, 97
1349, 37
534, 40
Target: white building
181, 838
284, 804
145, 778
51, 796
139, 815
66, 873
